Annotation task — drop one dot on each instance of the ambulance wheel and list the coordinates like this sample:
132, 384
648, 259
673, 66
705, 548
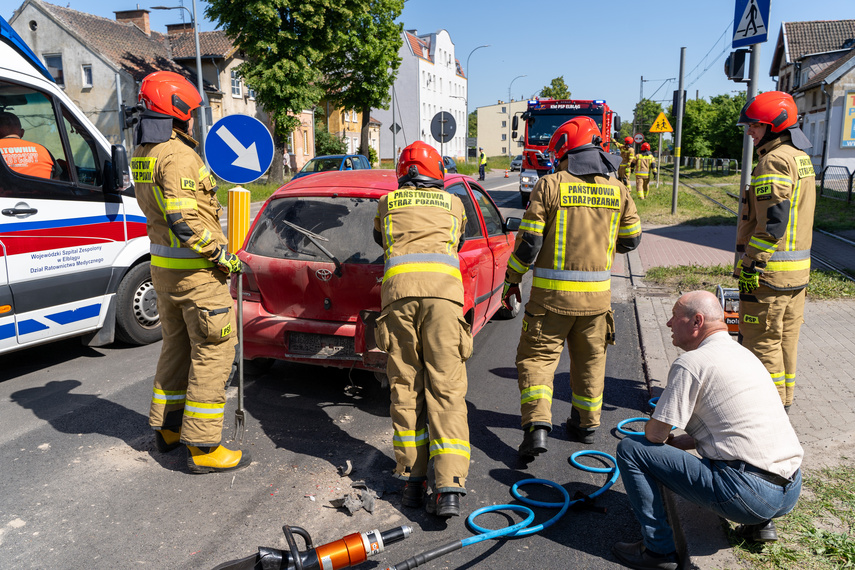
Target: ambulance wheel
507, 314
137, 319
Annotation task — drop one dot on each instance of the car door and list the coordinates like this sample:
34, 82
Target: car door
474, 258
60, 233
500, 244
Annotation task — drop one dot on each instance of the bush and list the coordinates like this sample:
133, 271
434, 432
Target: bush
372, 155
328, 143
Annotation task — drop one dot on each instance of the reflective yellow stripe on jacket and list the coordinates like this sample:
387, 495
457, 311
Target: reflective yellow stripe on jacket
422, 262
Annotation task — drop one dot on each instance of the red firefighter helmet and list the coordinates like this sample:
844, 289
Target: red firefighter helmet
774, 108
645, 146
420, 162
575, 133
169, 93
627, 140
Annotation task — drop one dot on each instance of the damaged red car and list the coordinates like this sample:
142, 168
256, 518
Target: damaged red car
311, 285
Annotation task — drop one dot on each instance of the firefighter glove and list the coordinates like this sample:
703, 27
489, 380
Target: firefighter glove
228, 263
510, 290
749, 280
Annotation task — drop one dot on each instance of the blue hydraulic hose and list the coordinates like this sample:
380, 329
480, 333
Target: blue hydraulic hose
521, 528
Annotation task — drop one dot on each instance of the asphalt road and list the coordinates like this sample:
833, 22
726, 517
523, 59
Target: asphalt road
81, 485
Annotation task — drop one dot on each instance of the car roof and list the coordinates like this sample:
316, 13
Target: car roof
335, 156
363, 183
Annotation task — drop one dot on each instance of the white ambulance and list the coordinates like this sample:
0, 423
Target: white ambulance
74, 255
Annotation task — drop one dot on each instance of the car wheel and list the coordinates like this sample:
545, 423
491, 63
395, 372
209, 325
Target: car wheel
507, 314
137, 319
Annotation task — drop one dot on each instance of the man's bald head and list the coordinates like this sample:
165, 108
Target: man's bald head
695, 316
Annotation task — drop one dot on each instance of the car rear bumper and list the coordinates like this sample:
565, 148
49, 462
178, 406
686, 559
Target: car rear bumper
322, 343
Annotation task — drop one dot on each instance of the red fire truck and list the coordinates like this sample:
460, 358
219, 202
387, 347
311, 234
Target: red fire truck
541, 118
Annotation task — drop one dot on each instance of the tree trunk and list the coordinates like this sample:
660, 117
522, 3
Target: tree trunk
276, 173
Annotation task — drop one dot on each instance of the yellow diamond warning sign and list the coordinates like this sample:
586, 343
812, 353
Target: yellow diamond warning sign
661, 125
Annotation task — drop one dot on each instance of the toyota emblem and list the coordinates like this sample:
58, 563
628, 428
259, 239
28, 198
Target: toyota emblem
323, 274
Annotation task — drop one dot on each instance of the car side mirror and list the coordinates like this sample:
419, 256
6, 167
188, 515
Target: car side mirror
512, 224
616, 122
119, 178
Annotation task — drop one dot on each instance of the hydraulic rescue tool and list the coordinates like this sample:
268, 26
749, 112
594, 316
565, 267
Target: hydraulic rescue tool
240, 416
349, 551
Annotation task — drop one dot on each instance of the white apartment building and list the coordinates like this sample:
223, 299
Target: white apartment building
430, 79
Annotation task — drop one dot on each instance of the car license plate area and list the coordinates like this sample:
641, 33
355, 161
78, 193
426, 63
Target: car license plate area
320, 345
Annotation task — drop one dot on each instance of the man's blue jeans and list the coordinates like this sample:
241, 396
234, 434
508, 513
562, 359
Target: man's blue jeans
736, 495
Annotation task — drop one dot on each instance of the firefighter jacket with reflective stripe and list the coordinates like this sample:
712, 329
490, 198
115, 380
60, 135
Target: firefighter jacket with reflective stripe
776, 228
644, 163
179, 198
570, 232
627, 155
420, 229
25, 157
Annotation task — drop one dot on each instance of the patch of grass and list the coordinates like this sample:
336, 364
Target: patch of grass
834, 215
692, 209
681, 278
259, 191
818, 533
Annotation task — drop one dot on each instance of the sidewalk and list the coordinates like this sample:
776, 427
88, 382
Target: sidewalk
823, 413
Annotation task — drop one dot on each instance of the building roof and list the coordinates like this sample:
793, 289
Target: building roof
797, 39
122, 43
847, 59
211, 44
420, 46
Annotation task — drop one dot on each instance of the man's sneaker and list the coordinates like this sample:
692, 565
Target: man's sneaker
534, 442
413, 494
443, 504
580, 434
763, 532
635, 555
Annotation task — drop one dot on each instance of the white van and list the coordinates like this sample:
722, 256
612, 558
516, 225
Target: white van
74, 255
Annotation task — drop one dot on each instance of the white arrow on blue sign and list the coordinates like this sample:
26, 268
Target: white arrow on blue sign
239, 149
750, 22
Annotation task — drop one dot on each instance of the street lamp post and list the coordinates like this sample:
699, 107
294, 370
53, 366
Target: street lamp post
466, 146
510, 151
199, 82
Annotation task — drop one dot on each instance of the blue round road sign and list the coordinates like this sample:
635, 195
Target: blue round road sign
239, 149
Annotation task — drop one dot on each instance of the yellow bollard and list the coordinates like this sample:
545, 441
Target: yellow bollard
238, 217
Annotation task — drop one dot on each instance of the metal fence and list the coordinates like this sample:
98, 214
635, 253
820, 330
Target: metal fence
836, 182
720, 165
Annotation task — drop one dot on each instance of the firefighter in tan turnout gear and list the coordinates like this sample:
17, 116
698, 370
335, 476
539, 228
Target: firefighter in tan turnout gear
578, 218
627, 154
774, 237
644, 164
189, 269
420, 227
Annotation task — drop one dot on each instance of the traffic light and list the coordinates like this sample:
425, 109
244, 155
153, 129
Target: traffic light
129, 116
674, 103
734, 65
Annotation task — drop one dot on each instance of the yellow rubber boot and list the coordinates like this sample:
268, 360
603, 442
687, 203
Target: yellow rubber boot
167, 439
215, 459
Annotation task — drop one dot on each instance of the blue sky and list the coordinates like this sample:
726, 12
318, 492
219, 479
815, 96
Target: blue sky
602, 48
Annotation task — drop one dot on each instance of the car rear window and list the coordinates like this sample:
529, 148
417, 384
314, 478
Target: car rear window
322, 165
346, 223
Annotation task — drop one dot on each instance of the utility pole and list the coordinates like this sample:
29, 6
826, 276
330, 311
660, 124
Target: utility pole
679, 132
635, 117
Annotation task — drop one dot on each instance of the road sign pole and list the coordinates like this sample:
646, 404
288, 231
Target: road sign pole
678, 135
747, 143
659, 160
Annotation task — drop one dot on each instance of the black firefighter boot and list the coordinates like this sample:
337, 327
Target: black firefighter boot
534, 442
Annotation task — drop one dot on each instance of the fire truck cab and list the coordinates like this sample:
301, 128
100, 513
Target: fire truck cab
541, 118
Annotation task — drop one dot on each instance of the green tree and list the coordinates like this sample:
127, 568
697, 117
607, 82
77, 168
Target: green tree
727, 136
283, 42
646, 112
695, 139
363, 63
472, 129
556, 90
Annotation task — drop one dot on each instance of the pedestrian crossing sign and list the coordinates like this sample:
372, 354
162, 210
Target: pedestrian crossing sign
661, 124
749, 22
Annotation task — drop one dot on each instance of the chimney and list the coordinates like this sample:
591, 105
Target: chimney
175, 29
138, 17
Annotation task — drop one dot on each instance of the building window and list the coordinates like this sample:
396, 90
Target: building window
504, 136
236, 89
87, 76
305, 142
822, 96
504, 149
250, 93
504, 124
54, 65
504, 109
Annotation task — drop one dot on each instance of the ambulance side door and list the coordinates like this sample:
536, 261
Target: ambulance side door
61, 230
8, 339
